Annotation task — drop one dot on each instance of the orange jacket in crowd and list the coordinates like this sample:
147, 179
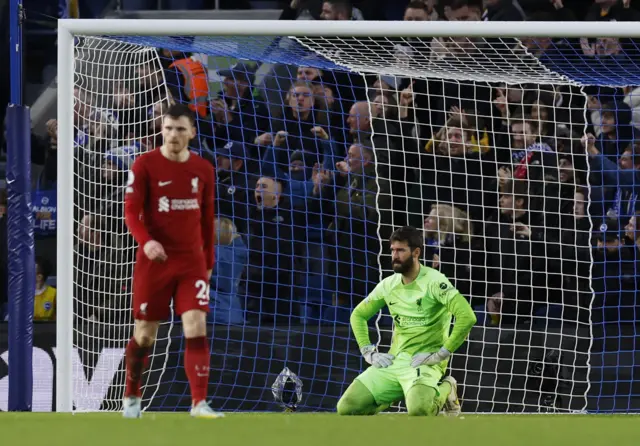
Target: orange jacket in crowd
196, 84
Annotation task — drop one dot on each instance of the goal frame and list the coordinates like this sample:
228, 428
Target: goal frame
68, 29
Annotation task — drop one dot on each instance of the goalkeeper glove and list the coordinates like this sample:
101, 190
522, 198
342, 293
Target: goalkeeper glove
430, 358
378, 360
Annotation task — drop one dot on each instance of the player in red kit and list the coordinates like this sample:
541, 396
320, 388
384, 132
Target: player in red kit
169, 210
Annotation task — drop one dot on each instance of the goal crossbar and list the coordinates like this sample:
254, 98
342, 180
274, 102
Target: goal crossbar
320, 28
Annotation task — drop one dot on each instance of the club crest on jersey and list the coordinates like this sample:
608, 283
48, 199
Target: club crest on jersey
194, 185
164, 204
421, 309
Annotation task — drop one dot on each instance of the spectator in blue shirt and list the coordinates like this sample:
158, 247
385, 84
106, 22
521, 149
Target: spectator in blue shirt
620, 184
309, 219
613, 275
231, 261
613, 121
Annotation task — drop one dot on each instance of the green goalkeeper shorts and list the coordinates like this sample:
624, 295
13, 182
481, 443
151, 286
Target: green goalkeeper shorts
392, 384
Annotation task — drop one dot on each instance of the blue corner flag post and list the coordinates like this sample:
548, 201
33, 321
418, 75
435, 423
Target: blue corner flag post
21, 262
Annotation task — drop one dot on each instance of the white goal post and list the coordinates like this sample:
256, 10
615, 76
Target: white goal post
319, 32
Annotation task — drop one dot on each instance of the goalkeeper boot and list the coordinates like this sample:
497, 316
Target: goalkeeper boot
202, 410
452, 404
132, 407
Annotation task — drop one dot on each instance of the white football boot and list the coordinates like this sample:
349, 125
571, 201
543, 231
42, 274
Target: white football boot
132, 407
202, 410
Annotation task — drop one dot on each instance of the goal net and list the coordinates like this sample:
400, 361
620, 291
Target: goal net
325, 145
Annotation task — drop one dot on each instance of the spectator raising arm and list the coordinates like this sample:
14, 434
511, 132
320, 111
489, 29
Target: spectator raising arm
612, 175
331, 157
291, 11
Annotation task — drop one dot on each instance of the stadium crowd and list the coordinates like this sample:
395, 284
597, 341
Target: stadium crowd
527, 193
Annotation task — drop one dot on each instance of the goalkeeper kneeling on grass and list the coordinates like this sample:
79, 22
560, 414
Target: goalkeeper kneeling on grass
422, 302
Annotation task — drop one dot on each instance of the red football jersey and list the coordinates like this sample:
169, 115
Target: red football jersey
172, 203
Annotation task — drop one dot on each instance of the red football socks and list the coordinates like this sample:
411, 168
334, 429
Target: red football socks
196, 365
137, 359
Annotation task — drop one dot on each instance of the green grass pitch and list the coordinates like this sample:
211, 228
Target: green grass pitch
178, 429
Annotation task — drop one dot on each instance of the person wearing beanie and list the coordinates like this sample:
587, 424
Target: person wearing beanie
119, 159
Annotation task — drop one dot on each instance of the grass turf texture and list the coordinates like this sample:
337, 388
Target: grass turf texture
110, 429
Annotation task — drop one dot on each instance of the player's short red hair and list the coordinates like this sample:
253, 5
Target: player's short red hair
177, 111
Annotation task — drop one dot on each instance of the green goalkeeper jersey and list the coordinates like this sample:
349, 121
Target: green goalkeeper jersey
421, 311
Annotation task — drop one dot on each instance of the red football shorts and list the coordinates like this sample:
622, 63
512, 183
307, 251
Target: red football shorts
183, 279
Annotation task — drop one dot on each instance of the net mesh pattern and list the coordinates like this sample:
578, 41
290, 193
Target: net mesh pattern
324, 146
